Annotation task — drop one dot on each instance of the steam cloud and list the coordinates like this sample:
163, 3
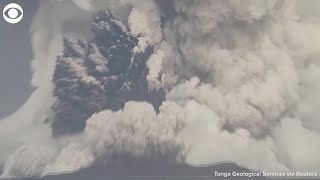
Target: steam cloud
240, 82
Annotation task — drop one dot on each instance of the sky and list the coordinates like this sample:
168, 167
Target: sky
15, 58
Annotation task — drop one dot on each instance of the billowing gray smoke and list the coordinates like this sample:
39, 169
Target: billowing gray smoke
237, 82
103, 73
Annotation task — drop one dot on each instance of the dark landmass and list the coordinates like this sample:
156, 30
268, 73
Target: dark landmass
152, 170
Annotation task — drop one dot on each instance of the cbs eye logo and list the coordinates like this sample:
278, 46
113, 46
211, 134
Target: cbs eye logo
12, 13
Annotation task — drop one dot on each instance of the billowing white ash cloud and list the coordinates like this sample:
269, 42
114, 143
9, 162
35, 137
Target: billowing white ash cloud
19, 127
253, 66
137, 131
240, 84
